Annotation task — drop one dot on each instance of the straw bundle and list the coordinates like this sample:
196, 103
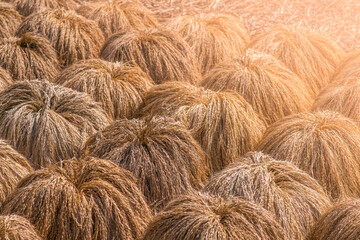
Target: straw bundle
14, 227
5, 79
9, 20
348, 66
28, 7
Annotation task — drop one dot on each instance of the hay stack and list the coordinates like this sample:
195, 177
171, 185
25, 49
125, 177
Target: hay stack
9, 20
204, 217
28, 7
271, 89
341, 96
73, 36
293, 47
14, 227
120, 88
295, 198
28, 57
213, 37
348, 67
160, 152
5, 79
13, 168
118, 15
162, 54
223, 123
81, 199
46, 122
342, 222
326, 145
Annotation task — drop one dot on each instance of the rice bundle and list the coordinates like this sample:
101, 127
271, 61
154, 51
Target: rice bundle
325, 144
13, 168
162, 54
341, 96
118, 87
204, 217
339, 223
81, 199
271, 89
46, 122
73, 36
295, 198
14, 227
223, 123
293, 47
28, 7
29, 57
5, 79
9, 20
348, 67
213, 37
160, 152
118, 15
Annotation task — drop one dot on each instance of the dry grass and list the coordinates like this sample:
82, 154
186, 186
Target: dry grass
29, 57
73, 36
348, 67
204, 217
81, 199
213, 37
9, 20
28, 7
14, 227
46, 122
272, 89
160, 152
118, 87
325, 144
5, 79
162, 54
118, 15
341, 222
295, 198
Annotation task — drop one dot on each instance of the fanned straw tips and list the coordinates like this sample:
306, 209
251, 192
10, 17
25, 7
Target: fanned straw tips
160, 152
213, 37
118, 15
118, 87
27, 7
5, 79
204, 217
14, 227
309, 55
342, 96
81, 199
342, 222
270, 87
295, 198
73, 36
325, 144
9, 20
29, 57
224, 124
47, 123
13, 168
349, 67
162, 54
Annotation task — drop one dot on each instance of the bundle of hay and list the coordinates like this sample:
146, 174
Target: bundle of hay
162, 54
14, 227
339, 223
325, 144
341, 96
28, 7
293, 47
118, 87
5, 79
81, 199
46, 122
271, 89
160, 152
29, 57
295, 198
118, 15
9, 20
225, 125
348, 67
213, 37
205, 217
73, 36
13, 167
6, 4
